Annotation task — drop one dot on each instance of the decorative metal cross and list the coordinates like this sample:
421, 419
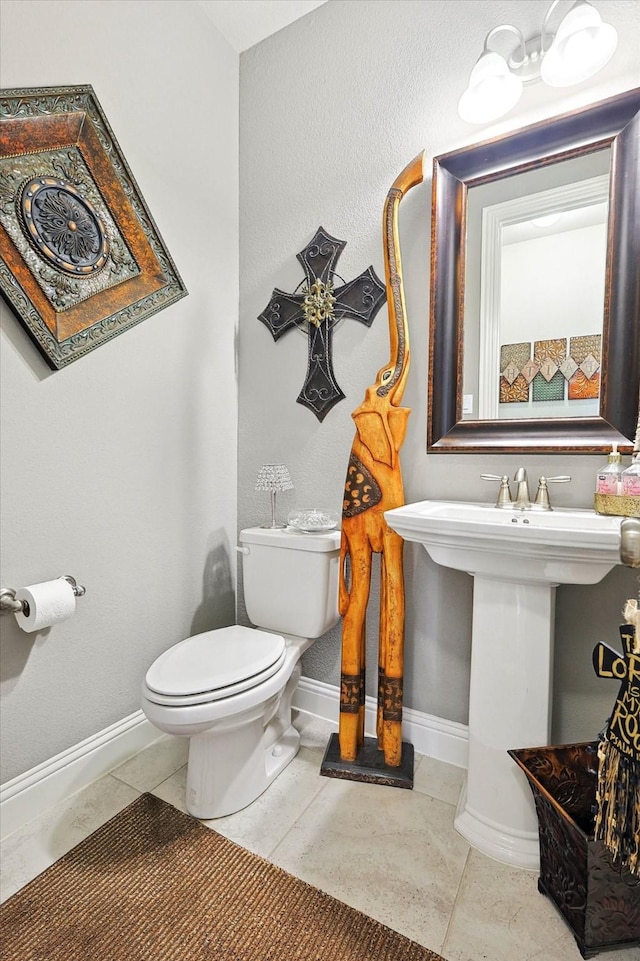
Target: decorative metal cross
317, 310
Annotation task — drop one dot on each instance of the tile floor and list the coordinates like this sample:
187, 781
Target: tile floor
391, 853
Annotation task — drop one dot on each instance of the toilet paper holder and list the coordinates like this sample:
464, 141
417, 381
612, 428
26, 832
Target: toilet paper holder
10, 605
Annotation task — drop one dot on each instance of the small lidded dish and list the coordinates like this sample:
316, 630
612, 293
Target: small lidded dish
312, 520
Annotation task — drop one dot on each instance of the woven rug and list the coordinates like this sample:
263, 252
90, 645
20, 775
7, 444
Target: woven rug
153, 884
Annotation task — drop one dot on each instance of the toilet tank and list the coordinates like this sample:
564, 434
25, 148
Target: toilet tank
291, 580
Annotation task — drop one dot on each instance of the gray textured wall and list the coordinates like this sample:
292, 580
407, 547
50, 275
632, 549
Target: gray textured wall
121, 468
332, 109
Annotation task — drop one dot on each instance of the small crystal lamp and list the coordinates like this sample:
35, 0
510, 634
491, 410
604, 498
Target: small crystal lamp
273, 478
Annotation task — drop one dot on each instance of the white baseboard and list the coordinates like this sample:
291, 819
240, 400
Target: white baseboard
434, 736
30, 794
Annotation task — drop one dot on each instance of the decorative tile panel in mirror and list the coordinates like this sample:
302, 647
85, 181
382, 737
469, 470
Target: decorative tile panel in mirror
535, 287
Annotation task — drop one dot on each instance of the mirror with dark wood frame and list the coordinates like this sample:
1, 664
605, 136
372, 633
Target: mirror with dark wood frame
610, 131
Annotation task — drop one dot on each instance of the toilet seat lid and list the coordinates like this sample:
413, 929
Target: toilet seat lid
214, 660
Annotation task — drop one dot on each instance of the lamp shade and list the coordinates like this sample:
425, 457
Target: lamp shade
273, 477
492, 91
581, 47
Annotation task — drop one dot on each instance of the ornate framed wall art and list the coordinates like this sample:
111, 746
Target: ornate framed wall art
81, 259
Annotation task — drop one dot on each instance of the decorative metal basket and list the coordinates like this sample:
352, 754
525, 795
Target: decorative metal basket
599, 900
617, 505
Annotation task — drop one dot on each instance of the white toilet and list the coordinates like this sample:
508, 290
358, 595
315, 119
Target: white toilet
230, 690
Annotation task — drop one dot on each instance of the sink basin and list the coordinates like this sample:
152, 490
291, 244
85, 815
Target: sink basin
517, 558
559, 546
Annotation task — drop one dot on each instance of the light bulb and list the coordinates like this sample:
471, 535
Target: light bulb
581, 47
547, 221
578, 47
492, 91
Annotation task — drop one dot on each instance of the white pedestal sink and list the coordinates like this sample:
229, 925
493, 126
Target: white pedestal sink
517, 559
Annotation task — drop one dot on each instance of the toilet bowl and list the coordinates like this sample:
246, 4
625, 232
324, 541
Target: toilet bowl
230, 690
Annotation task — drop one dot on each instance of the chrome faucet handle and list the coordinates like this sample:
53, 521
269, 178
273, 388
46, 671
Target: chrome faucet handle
504, 494
542, 501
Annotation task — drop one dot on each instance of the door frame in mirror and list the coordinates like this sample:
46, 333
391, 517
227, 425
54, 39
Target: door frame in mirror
613, 123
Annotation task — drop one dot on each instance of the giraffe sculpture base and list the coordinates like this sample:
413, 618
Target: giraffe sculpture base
369, 764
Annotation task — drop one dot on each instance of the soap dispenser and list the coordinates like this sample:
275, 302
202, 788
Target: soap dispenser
630, 479
608, 477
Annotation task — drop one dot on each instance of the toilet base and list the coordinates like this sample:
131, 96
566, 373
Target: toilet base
225, 775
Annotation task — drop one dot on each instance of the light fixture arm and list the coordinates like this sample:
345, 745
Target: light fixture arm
545, 23
524, 61
510, 29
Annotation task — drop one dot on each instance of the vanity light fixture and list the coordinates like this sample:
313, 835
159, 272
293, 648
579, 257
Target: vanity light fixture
582, 45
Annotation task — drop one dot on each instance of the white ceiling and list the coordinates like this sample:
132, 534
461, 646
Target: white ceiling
245, 22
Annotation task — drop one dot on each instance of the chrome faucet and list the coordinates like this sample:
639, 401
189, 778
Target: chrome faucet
522, 501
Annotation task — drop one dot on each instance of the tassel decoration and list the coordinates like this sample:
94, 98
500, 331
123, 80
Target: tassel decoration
618, 806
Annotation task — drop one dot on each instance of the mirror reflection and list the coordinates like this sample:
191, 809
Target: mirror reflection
534, 292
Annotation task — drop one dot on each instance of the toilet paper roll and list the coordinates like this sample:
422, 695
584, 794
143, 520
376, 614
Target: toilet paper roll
48, 603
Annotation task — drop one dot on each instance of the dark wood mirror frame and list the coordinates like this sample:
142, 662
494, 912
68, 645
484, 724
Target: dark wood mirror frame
614, 123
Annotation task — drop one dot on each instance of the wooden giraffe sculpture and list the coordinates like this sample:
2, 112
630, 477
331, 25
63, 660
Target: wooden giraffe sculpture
373, 486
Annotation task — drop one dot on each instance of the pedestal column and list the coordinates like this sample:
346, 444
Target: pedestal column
509, 707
